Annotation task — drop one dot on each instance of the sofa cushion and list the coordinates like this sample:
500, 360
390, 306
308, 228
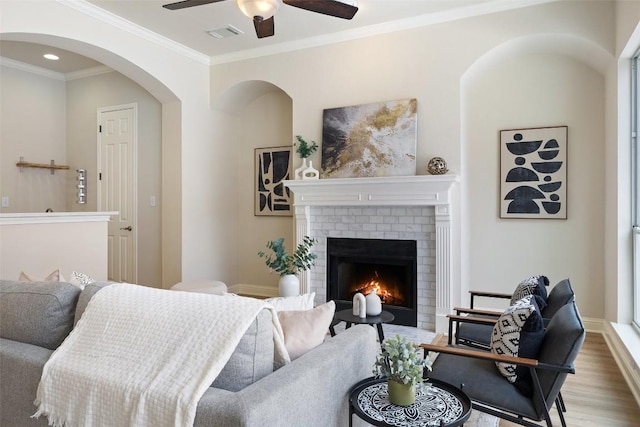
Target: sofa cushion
297, 302
518, 332
253, 357
87, 292
38, 313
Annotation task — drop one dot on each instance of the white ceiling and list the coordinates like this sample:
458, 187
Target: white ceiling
294, 28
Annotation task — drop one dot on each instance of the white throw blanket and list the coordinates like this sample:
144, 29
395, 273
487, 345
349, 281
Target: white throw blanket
144, 357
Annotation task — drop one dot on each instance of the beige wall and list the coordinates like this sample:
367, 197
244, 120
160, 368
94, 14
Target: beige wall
563, 50
84, 98
69, 109
428, 63
270, 118
33, 126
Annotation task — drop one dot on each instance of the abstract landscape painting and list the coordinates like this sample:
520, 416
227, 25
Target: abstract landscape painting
370, 140
533, 165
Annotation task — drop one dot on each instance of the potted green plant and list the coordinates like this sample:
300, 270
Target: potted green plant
289, 265
305, 150
402, 364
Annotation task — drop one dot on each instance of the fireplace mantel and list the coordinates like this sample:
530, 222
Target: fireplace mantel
419, 190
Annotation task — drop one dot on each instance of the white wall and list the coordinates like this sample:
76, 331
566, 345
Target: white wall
524, 91
429, 64
33, 118
42, 243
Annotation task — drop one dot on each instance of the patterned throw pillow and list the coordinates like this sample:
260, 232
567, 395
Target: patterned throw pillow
80, 279
534, 285
54, 276
518, 332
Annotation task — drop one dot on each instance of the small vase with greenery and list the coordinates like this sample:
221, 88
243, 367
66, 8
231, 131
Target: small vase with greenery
304, 149
402, 364
288, 265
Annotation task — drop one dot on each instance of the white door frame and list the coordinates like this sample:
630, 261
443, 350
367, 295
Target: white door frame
101, 110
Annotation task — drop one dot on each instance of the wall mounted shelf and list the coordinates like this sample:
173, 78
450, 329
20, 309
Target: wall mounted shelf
23, 164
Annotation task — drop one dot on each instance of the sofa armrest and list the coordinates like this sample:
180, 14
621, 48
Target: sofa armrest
20, 371
312, 389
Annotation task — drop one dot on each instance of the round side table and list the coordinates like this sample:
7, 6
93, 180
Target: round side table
438, 404
348, 317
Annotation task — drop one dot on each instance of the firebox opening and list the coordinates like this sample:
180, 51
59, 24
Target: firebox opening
387, 266
385, 280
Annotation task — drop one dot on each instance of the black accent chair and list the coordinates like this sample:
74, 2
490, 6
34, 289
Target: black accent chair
476, 373
474, 327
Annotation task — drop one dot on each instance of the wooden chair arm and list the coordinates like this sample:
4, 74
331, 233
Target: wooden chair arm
472, 319
490, 294
486, 355
460, 310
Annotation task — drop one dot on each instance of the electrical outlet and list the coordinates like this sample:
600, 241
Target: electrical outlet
152, 201
5, 201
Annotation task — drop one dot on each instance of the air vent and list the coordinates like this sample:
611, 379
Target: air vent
223, 33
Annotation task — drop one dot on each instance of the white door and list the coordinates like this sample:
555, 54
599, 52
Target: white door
117, 178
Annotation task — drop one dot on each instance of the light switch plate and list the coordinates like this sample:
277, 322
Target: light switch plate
5, 201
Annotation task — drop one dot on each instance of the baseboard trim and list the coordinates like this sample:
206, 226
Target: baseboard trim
620, 349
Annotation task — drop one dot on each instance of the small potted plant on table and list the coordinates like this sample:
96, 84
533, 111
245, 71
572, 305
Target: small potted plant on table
289, 265
402, 364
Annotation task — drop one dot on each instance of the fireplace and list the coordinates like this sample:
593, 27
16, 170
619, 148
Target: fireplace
385, 266
396, 207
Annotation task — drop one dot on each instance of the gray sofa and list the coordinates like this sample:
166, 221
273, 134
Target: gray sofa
312, 390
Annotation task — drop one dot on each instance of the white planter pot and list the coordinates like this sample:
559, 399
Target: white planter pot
289, 285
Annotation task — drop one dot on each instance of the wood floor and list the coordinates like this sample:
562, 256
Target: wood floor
597, 395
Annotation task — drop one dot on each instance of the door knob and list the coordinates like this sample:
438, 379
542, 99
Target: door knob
126, 228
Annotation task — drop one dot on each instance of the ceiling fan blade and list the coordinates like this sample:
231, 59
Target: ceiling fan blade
188, 3
326, 7
264, 27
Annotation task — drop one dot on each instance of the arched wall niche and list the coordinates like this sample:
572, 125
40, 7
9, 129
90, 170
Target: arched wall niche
536, 81
170, 143
259, 115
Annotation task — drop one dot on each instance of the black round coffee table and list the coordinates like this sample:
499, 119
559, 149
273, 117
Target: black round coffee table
348, 317
438, 404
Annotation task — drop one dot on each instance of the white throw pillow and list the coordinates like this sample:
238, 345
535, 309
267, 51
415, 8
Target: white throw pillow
305, 329
80, 279
54, 276
299, 302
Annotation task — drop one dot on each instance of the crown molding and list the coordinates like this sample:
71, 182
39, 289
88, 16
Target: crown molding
88, 72
123, 24
378, 29
479, 9
31, 69
75, 75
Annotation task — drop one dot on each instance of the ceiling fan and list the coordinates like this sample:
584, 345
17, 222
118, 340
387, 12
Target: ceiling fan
262, 11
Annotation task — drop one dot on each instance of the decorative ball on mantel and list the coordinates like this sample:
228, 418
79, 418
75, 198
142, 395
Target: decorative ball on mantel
437, 166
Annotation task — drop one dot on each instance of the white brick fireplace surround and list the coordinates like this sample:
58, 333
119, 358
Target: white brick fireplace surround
408, 207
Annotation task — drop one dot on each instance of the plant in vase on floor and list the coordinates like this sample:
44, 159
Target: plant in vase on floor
402, 364
289, 265
305, 150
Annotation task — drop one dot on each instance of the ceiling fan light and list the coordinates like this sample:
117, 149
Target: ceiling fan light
263, 8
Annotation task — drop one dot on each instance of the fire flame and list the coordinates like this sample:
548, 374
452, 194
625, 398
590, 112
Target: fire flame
378, 288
